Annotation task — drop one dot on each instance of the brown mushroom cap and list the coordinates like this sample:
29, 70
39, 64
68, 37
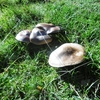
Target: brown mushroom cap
49, 28
66, 55
23, 36
39, 36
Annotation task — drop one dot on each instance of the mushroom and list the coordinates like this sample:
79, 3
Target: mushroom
39, 36
23, 36
49, 28
66, 55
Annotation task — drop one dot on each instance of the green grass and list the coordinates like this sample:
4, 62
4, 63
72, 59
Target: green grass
24, 70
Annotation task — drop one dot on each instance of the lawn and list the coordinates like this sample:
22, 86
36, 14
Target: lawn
24, 70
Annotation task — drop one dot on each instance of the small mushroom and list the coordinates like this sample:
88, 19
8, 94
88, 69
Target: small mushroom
49, 28
66, 55
55, 29
23, 36
39, 36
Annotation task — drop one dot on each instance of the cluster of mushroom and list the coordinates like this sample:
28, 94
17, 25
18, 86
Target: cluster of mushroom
66, 55
39, 35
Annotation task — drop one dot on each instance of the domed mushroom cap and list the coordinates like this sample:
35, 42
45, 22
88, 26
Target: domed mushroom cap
45, 26
39, 36
66, 55
55, 29
23, 36
49, 28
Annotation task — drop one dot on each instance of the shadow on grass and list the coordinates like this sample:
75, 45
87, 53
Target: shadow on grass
3, 64
34, 49
33, 1
14, 54
83, 77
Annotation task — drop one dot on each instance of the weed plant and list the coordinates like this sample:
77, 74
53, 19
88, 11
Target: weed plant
24, 70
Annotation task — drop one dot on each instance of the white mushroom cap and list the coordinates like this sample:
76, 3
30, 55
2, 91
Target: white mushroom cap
66, 55
23, 36
49, 28
45, 26
39, 36
55, 29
